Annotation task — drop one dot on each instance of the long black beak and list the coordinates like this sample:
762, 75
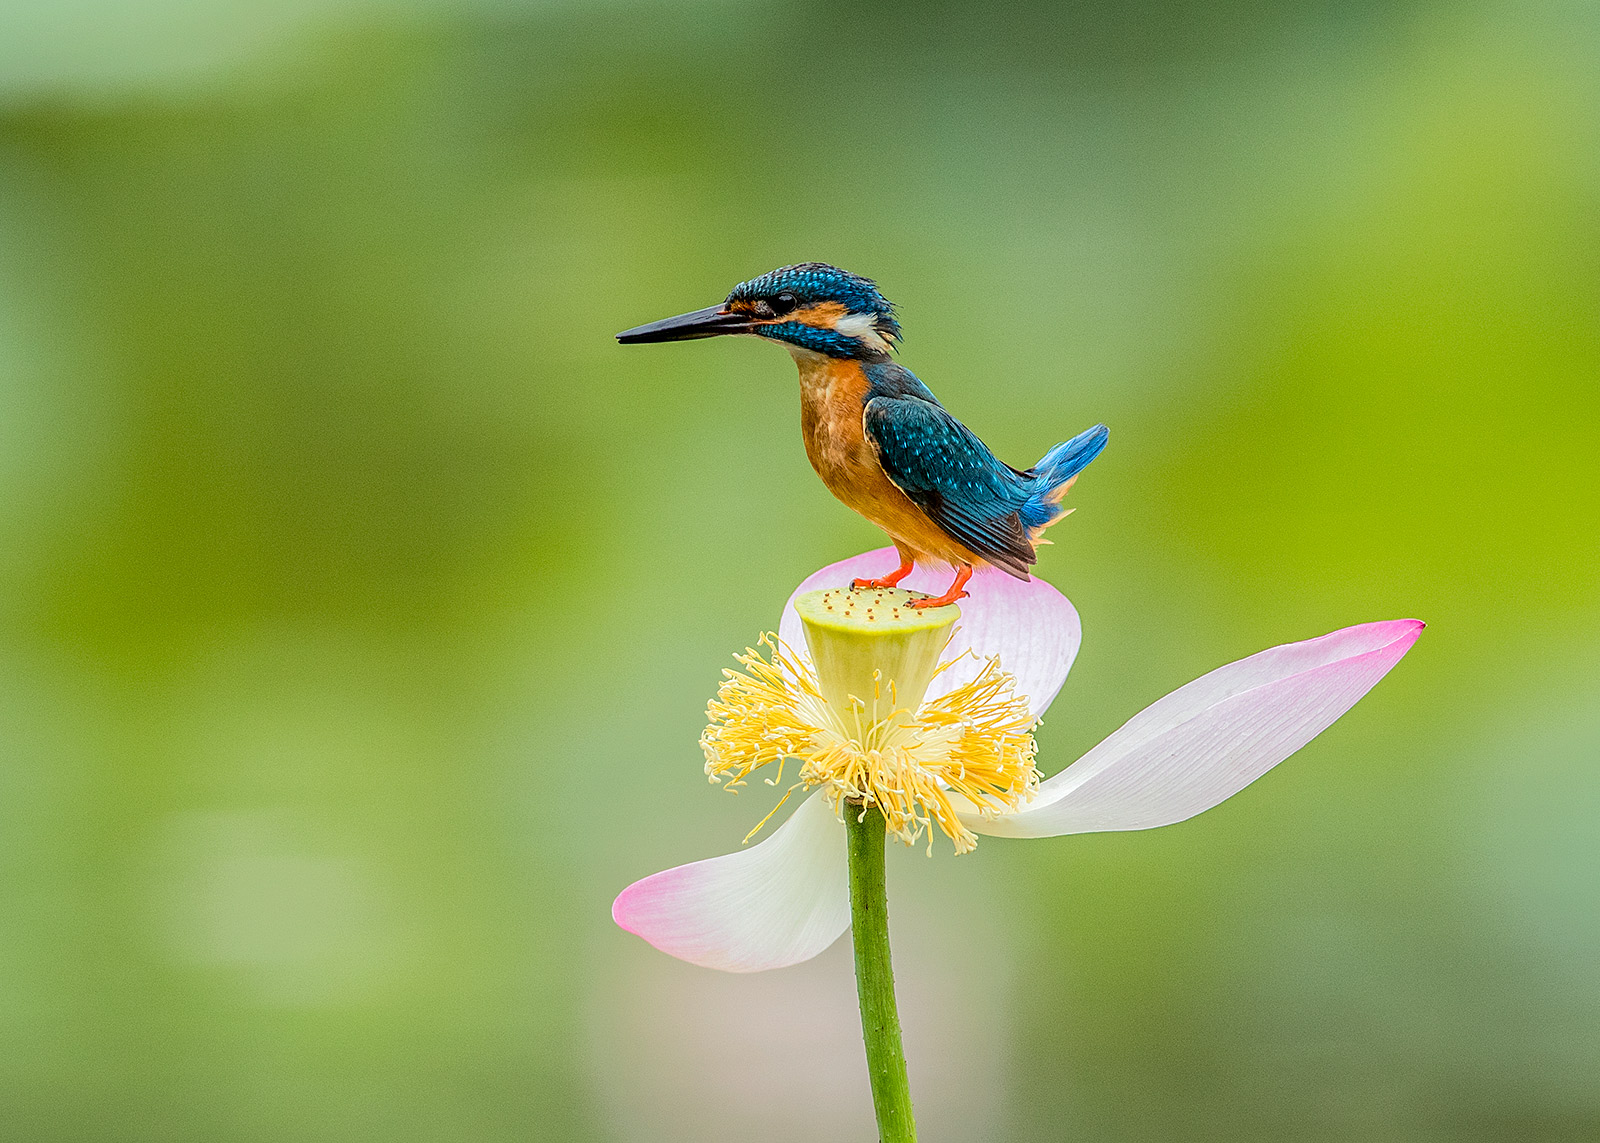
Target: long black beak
709, 322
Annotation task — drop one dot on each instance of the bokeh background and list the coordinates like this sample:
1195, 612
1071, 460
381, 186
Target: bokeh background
359, 597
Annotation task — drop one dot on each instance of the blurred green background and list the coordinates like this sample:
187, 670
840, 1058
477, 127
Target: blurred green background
359, 597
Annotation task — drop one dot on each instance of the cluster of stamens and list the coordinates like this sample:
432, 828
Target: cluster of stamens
973, 745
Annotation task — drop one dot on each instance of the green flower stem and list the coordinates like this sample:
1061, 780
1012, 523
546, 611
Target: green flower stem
880, 1019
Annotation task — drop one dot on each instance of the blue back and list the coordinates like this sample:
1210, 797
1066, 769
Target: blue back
950, 474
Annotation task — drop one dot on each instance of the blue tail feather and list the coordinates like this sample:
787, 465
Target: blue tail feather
1058, 466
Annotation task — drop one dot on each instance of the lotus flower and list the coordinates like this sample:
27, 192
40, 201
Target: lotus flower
786, 899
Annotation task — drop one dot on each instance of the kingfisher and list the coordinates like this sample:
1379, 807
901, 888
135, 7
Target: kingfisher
880, 439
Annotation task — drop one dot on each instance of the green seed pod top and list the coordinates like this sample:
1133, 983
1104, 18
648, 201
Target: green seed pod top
868, 645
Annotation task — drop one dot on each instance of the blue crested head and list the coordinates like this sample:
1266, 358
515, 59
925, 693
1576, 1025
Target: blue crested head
821, 308
811, 307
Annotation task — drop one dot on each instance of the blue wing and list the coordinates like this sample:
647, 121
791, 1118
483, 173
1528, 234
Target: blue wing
950, 474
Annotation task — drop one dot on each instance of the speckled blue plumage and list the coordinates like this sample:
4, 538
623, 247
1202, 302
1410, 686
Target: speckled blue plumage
950, 474
814, 338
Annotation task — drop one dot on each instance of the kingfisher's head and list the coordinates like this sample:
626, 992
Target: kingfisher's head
811, 307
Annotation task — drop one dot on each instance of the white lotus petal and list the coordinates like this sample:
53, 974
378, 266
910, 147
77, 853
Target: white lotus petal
774, 904
1208, 740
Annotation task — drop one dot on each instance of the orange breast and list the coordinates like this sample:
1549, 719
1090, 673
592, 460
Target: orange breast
831, 397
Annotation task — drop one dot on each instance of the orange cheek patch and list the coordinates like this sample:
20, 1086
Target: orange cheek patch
823, 315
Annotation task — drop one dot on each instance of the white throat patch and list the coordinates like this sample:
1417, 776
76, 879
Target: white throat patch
863, 327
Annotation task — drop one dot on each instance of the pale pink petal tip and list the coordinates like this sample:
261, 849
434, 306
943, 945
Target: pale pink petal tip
1208, 740
774, 904
1028, 623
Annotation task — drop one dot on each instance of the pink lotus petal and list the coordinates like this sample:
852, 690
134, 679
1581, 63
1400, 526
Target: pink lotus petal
1208, 740
1030, 625
774, 904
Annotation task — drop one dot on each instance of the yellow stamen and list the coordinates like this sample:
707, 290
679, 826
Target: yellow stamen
974, 741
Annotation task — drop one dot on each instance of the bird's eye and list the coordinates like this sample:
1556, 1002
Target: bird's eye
784, 303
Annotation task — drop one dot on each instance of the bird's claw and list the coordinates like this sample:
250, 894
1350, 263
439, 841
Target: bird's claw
869, 584
944, 600
880, 582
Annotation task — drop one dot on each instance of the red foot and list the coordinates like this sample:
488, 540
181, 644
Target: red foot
891, 580
962, 576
